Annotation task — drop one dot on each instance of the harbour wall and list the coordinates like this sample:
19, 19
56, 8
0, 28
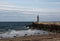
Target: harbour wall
47, 26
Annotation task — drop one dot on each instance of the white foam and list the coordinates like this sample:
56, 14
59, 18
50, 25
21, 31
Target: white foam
12, 33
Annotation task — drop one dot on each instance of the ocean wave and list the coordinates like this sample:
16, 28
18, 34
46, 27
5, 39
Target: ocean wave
14, 33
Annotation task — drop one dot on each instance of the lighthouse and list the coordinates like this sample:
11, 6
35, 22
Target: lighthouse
37, 18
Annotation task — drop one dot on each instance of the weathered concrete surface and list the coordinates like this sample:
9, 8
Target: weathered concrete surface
48, 23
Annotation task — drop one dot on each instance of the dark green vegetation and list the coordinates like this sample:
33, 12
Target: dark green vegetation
46, 27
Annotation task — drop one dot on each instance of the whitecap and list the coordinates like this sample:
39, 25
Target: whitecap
14, 33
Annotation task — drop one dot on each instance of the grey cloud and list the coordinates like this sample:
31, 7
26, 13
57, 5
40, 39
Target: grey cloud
19, 16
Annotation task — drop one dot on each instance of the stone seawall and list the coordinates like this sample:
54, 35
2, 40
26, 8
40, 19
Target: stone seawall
48, 26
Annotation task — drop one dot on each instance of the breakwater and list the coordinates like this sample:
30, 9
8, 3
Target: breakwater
47, 26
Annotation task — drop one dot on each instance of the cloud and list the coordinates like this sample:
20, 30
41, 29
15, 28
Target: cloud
5, 6
12, 12
49, 3
15, 8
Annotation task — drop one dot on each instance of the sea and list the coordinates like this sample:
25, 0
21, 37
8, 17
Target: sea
18, 29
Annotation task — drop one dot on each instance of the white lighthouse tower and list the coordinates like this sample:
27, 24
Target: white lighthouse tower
37, 18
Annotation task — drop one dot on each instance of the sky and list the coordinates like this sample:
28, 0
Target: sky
27, 10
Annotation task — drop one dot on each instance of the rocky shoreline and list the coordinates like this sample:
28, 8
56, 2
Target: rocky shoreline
47, 26
49, 37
